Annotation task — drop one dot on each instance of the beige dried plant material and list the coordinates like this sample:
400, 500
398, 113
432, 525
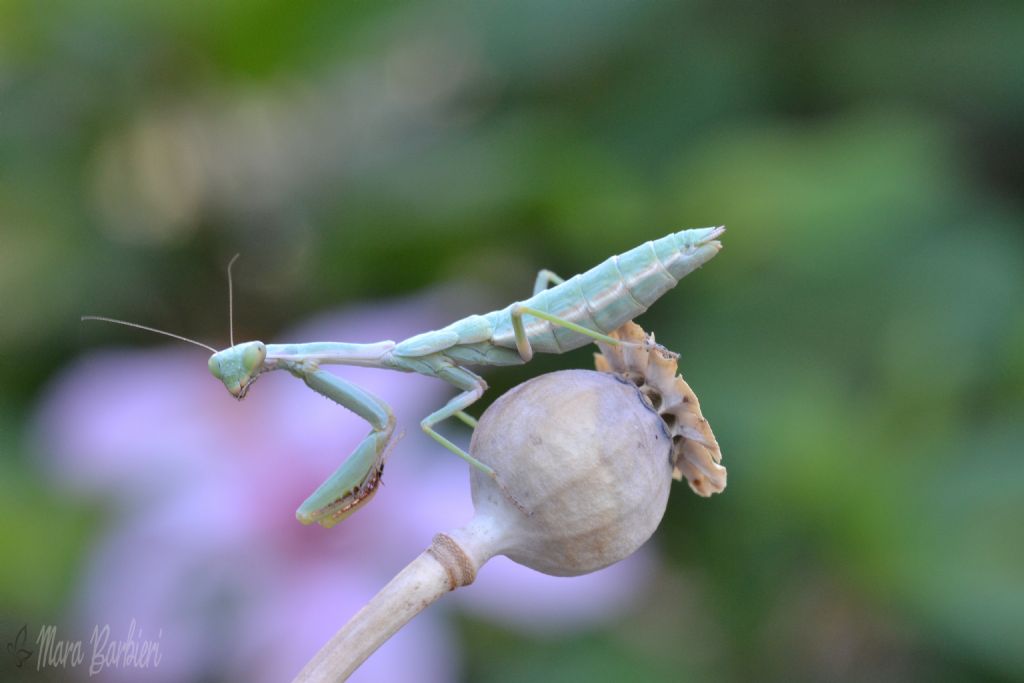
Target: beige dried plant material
654, 370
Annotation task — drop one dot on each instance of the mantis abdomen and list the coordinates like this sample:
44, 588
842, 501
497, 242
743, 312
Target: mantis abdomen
610, 294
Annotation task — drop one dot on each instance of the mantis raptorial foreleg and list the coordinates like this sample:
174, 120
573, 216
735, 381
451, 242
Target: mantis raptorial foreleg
357, 478
545, 279
523, 341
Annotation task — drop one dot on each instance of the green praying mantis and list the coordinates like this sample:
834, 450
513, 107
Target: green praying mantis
556, 319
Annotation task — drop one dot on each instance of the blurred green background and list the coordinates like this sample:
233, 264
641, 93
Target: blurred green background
858, 345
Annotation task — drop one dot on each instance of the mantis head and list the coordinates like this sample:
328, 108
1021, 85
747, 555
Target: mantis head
238, 366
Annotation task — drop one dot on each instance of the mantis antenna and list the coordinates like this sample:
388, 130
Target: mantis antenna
148, 329
231, 301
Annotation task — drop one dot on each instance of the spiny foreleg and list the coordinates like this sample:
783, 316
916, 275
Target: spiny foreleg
355, 482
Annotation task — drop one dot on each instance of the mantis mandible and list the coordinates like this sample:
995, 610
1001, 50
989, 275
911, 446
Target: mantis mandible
559, 318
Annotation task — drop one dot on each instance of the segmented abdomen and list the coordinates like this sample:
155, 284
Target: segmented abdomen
610, 294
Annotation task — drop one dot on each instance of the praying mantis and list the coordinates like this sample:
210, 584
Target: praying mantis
556, 319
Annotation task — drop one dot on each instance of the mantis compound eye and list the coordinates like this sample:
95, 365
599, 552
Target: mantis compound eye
253, 356
214, 365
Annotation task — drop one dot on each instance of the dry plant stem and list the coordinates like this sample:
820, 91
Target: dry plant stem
452, 560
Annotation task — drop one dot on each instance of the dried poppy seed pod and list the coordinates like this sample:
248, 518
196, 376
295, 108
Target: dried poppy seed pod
590, 456
585, 454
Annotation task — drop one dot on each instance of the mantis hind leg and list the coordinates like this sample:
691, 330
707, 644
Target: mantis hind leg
523, 341
353, 484
545, 279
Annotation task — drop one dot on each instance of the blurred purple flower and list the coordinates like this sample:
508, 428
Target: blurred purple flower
204, 549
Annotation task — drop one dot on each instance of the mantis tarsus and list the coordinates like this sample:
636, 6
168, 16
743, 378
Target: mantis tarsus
559, 318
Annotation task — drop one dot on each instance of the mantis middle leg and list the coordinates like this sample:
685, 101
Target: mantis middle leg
356, 480
473, 388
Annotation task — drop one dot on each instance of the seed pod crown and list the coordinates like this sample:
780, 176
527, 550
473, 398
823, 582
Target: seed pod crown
653, 369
